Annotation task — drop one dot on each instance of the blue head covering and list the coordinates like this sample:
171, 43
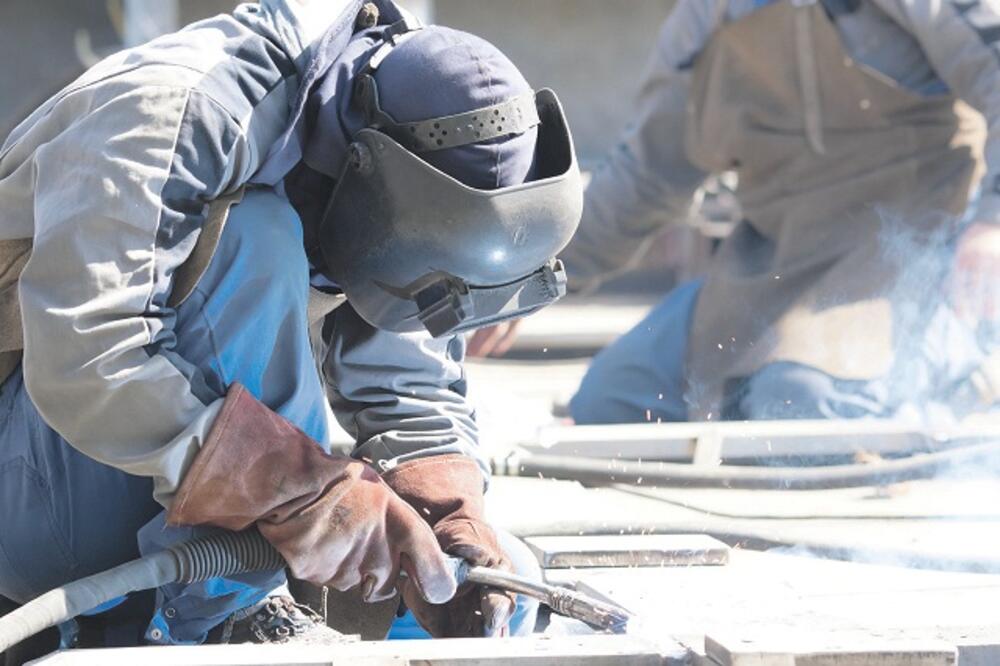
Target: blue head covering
437, 72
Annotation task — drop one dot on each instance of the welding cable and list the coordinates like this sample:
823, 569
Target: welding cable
229, 553
219, 555
608, 471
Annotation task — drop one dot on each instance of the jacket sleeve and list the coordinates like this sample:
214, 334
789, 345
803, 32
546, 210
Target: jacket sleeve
647, 180
400, 395
961, 39
120, 195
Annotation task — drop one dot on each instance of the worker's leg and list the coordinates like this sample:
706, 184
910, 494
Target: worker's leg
934, 376
65, 515
522, 623
640, 377
786, 390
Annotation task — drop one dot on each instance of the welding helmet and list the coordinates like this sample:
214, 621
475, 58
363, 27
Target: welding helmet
415, 248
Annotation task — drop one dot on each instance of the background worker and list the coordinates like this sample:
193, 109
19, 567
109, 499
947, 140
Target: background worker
156, 311
861, 280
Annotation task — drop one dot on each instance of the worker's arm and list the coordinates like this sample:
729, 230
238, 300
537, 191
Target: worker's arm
647, 180
962, 43
402, 396
120, 196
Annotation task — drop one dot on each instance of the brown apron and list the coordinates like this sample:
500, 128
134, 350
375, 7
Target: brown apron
830, 156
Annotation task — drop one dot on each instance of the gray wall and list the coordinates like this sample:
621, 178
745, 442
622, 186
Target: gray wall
590, 52
195, 10
39, 43
44, 45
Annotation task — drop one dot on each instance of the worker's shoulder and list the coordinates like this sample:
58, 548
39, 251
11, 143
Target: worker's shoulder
222, 58
232, 66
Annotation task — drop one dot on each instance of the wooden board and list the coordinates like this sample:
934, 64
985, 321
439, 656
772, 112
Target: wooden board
759, 596
535, 651
842, 649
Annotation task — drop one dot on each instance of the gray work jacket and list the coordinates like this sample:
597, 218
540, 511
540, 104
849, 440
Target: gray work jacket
103, 193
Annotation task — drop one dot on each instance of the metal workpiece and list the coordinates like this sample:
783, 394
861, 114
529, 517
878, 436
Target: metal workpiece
715, 442
628, 550
852, 649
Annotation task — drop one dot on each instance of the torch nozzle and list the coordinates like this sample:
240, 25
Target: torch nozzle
570, 603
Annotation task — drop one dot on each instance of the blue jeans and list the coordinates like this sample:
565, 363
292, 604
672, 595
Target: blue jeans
66, 516
641, 376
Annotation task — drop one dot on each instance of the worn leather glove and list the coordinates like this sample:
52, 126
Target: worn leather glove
448, 491
332, 518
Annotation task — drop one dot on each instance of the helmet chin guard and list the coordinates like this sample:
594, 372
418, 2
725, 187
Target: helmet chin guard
414, 248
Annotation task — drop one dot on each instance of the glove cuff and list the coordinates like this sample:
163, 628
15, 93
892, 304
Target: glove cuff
255, 465
448, 487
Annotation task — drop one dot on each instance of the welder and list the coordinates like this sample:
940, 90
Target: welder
209, 241
862, 279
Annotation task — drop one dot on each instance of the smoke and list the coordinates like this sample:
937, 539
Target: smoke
937, 352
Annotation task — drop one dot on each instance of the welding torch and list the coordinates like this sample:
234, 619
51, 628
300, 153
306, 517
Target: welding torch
226, 554
564, 601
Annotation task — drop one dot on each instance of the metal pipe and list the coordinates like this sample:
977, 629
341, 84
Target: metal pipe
602, 472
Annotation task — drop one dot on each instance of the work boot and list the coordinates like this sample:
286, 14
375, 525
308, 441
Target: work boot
277, 619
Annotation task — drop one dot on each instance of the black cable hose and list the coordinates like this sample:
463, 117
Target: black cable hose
225, 554
608, 471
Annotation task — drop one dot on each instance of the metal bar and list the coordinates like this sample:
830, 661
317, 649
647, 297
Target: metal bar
750, 439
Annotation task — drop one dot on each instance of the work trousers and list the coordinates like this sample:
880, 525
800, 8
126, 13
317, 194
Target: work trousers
64, 515
641, 376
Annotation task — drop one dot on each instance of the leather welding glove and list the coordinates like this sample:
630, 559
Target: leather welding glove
448, 491
332, 518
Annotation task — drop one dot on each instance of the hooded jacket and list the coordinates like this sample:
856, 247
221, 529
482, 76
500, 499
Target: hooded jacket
104, 190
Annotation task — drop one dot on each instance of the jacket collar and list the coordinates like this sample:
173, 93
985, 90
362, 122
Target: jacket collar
314, 33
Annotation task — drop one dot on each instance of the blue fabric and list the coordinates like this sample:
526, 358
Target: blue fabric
313, 65
64, 515
437, 72
522, 623
67, 516
640, 377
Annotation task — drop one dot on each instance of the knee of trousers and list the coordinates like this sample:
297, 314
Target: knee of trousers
786, 390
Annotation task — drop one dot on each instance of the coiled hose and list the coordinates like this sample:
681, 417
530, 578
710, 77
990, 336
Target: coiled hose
219, 555
229, 553
608, 471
